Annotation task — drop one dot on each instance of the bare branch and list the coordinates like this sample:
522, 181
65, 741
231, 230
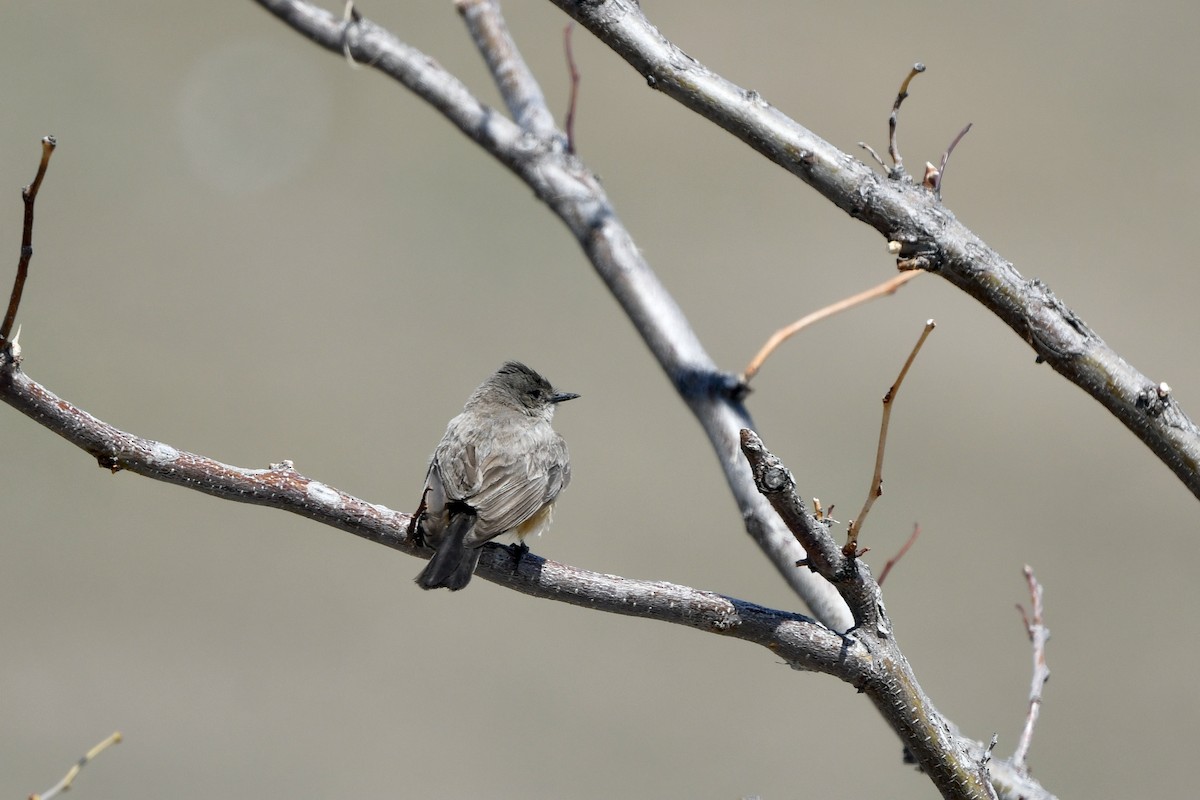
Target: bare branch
877, 477
278, 486
903, 551
893, 150
888, 287
930, 237
941, 170
29, 196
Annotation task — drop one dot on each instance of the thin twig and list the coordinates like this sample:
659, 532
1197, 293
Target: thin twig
29, 196
894, 560
1039, 634
573, 70
877, 478
893, 150
941, 173
74, 771
783, 334
874, 155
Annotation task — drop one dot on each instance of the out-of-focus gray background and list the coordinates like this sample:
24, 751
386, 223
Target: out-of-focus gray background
246, 249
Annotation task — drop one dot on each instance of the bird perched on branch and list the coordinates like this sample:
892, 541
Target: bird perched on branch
498, 469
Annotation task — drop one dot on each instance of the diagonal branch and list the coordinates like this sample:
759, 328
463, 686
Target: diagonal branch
520, 91
876, 489
929, 235
894, 149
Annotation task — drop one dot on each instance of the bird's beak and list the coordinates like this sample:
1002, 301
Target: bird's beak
561, 397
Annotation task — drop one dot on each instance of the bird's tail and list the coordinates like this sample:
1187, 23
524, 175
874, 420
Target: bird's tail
453, 563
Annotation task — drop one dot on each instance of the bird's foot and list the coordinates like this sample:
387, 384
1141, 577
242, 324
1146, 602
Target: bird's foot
518, 550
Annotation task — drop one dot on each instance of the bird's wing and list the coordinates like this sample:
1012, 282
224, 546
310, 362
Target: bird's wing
506, 482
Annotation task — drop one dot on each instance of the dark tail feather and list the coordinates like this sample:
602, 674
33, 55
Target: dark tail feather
453, 563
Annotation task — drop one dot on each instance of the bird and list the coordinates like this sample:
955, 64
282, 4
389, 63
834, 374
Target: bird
498, 469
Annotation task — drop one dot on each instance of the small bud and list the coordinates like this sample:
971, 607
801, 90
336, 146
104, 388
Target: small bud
931, 176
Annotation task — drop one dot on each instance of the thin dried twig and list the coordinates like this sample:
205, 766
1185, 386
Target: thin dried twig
874, 155
893, 149
894, 560
877, 478
74, 771
1039, 634
29, 196
573, 70
941, 173
783, 334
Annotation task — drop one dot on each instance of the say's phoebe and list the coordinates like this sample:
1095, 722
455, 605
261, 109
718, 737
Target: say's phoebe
498, 469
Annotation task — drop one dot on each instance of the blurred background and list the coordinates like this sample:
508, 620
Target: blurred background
246, 249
